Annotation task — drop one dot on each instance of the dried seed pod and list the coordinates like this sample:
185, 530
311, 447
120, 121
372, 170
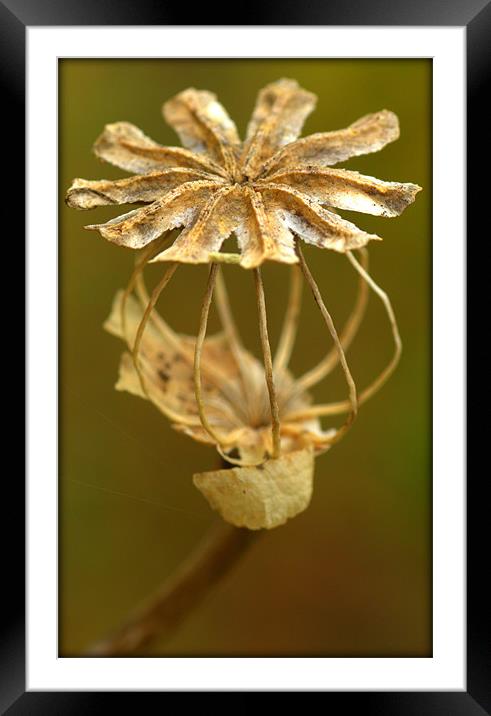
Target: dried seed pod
270, 191
265, 190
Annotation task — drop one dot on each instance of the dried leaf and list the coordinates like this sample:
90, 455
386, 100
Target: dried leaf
261, 497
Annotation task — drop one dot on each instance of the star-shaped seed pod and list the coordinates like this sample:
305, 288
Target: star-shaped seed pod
264, 190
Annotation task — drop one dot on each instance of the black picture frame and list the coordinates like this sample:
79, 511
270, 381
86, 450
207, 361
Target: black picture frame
475, 15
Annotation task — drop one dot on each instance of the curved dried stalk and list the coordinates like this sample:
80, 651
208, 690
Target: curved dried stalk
268, 362
171, 414
389, 369
164, 329
234, 340
290, 323
145, 256
200, 339
212, 371
329, 362
146, 315
226, 317
162, 613
353, 402
370, 390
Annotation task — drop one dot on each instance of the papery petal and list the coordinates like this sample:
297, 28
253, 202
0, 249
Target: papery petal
128, 148
278, 118
203, 125
217, 219
262, 234
314, 224
85, 194
179, 207
349, 190
368, 134
166, 360
261, 497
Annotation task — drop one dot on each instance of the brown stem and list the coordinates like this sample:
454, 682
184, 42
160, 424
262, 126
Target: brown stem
344, 405
143, 259
160, 615
198, 350
353, 401
268, 363
146, 315
290, 323
322, 369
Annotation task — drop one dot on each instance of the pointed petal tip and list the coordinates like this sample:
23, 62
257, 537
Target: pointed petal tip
69, 200
388, 120
389, 115
288, 83
412, 190
83, 198
73, 192
406, 199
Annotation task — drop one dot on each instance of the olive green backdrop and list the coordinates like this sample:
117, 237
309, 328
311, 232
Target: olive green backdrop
351, 576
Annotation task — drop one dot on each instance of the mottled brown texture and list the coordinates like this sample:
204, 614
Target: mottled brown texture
237, 404
265, 190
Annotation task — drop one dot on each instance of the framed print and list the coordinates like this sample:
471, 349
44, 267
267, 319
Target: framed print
190, 519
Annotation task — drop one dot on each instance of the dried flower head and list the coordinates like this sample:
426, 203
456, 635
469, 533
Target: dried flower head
269, 191
264, 190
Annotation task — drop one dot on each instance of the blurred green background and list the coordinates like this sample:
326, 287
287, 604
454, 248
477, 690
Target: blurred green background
351, 576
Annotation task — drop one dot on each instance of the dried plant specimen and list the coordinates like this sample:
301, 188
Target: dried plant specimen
230, 382
237, 409
232, 387
271, 191
265, 190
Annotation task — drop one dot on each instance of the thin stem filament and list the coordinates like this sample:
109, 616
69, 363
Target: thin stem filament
268, 362
370, 390
327, 364
148, 253
290, 323
143, 323
234, 341
389, 369
203, 323
353, 402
